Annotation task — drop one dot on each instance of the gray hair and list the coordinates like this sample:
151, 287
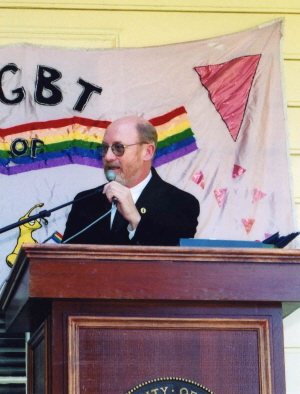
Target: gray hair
147, 132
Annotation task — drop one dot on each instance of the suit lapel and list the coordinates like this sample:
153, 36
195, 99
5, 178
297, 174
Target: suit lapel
150, 194
100, 232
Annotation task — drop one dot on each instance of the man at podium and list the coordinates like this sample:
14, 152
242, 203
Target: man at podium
145, 209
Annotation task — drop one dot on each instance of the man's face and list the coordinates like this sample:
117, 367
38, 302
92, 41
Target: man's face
130, 167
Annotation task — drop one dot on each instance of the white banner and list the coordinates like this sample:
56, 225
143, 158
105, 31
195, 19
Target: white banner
218, 108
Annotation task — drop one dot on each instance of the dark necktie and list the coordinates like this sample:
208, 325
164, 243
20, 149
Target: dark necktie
119, 232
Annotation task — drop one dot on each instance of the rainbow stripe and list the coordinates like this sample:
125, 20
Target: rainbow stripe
57, 237
75, 141
175, 136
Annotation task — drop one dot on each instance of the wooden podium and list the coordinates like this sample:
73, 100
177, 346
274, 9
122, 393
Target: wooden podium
106, 319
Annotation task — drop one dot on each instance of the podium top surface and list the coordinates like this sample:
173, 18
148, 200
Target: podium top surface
46, 273
154, 273
161, 253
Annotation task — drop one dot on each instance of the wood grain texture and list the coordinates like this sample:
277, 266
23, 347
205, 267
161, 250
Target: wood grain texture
212, 315
39, 360
111, 272
228, 347
113, 354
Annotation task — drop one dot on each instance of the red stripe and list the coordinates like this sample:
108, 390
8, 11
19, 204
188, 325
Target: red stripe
160, 120
58, 235
52, 124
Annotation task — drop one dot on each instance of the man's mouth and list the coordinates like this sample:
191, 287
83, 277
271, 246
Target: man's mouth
111, 167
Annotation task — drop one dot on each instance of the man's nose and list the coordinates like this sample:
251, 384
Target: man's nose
109, 156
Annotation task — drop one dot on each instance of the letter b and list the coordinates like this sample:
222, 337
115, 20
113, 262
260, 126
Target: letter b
46, 93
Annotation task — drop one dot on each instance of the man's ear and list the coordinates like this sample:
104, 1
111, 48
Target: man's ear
149, 150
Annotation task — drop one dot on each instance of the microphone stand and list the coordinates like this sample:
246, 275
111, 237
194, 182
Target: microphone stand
46, 213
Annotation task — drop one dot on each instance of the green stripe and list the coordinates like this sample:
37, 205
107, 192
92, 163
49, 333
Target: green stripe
59, 146
4, 154
56, 147
175, 138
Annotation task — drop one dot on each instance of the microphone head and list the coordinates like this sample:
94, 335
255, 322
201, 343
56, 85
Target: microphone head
110, 175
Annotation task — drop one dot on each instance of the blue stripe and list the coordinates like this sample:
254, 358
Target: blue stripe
89, 153
92, 154
174, 147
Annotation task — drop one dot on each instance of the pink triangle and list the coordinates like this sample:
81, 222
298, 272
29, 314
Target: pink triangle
267, 235
248, 223
220, 195
229, 86
198, 178
237, 171
257, 195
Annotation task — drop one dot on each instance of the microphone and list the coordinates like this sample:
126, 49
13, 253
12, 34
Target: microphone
111, 176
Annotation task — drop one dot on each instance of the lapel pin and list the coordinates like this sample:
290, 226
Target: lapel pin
143, 210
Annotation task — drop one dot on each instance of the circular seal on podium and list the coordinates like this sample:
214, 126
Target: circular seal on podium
169, 386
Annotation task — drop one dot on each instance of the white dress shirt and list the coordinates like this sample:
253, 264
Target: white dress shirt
135, 191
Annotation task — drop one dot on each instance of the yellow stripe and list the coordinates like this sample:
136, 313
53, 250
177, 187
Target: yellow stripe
4, 146
93, 134
68, 130
178, 119
60, 138
71, 137
176, 129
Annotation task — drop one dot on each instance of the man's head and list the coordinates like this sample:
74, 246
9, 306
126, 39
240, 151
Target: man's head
137, 138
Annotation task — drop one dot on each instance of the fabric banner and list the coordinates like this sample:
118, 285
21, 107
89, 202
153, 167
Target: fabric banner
218, 108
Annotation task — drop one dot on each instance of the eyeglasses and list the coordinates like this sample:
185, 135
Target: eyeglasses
117, 148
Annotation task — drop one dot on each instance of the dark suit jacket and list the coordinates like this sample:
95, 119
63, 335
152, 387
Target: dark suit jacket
167, 214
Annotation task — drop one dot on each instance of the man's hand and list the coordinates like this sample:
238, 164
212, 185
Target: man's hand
125, 204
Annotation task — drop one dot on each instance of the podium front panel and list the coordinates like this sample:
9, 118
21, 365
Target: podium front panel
113, 355
114, 318
113, 347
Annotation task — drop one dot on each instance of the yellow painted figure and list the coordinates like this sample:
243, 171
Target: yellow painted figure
25, 234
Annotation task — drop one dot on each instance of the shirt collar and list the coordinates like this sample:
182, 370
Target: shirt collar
137, 189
